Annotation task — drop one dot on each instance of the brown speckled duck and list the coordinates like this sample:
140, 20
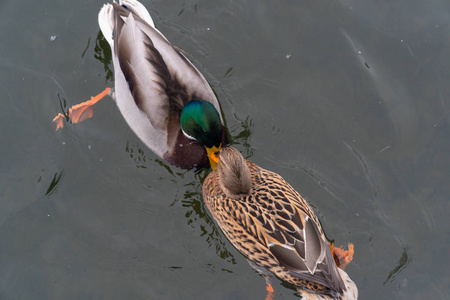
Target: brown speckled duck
274, 227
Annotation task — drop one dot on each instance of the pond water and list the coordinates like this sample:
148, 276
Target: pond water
347, 100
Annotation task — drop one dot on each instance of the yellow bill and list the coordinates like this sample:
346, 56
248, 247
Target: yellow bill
213, 155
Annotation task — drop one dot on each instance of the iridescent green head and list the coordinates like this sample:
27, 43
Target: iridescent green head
201, 121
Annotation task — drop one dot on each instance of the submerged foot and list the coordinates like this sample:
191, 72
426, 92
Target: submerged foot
270, 292
80, 112
342, 257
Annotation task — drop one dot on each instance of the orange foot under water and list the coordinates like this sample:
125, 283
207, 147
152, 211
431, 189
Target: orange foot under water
342, 257
270, 292
80, 112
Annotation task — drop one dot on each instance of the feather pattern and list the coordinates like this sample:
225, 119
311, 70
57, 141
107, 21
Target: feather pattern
273, 226
153, 82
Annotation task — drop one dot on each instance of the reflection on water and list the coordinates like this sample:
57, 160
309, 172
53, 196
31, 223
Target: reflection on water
240, 135
402, 264
54, 184
191, 198
103, 55
87, 47
64, 108
138, 156
197, 216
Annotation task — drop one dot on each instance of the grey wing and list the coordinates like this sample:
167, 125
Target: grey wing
142, 67
180, 68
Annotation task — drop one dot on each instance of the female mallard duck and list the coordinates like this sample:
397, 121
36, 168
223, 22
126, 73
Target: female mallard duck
273, 226
164, 99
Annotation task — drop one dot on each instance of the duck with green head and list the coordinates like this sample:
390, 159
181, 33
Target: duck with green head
164, 99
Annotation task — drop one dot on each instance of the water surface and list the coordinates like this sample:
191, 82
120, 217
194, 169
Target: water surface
347, 100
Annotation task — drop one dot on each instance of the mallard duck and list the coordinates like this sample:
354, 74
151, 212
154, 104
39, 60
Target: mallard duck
273, 226
164, 99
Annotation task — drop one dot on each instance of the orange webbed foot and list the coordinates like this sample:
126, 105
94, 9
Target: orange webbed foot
59, 121
270, 292
80, 112
342, 257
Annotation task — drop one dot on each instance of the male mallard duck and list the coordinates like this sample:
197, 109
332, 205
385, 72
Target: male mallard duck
274, 227
166, 101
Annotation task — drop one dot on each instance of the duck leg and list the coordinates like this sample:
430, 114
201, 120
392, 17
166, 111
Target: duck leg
80, 112
269, 288
267, 276
342, 257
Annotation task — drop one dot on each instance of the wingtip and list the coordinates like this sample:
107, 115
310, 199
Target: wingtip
106, 22
137, 8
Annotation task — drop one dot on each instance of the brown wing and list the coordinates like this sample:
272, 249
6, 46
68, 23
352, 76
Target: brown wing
276, 228
300, 245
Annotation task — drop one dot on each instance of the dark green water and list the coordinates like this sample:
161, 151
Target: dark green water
347, 100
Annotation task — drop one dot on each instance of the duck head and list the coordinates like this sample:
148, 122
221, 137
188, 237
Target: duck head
234, 173
201, 121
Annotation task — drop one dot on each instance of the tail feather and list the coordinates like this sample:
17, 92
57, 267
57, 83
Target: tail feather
351, 292
106, 22
138, 9
106, 17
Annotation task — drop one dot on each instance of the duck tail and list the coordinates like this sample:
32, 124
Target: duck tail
138, 9
106, 17
351, 292
106, 22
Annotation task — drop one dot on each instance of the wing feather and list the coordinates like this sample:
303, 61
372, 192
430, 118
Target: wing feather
143, 68
291, 233
180, 67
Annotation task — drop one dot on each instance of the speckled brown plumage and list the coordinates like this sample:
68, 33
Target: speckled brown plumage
272, 225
